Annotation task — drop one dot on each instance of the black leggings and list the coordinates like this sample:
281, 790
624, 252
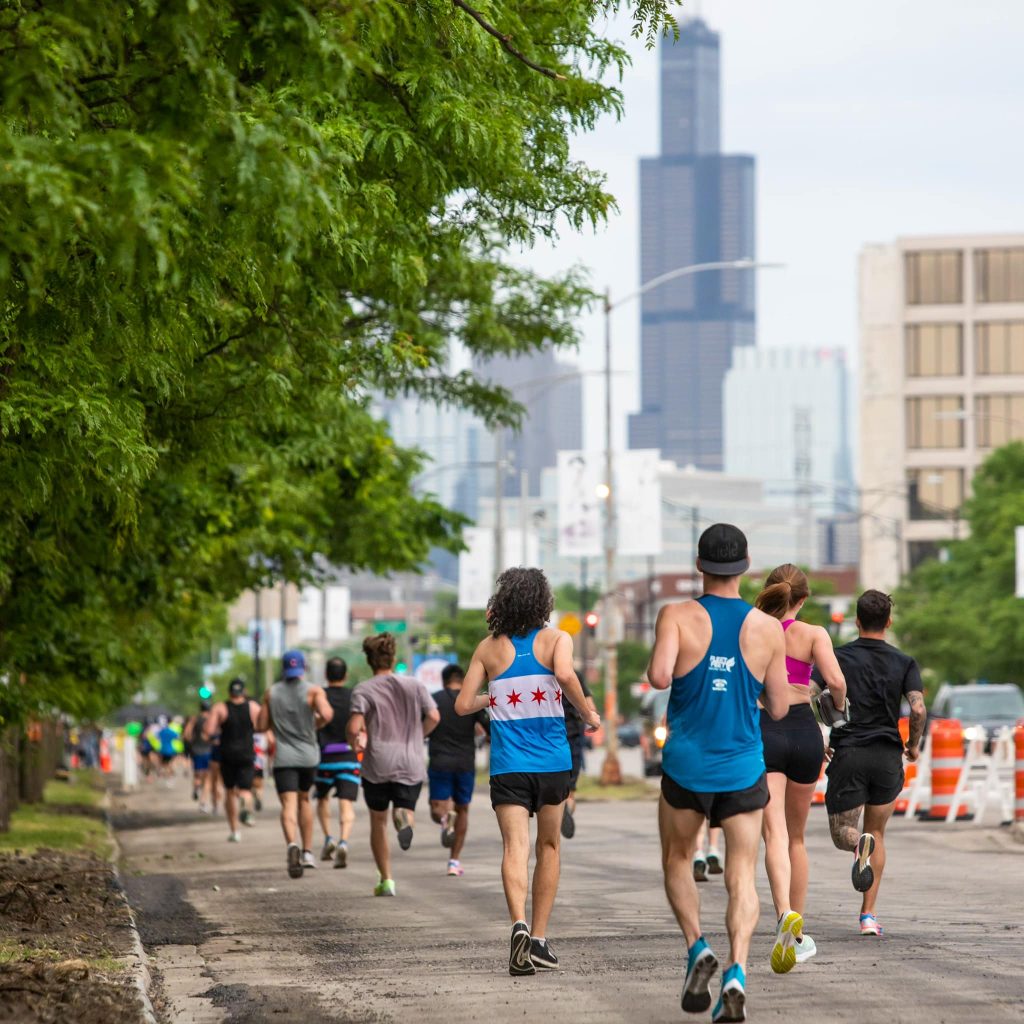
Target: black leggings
793, 745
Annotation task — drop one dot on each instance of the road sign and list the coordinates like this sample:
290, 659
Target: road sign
389, 625
570, 623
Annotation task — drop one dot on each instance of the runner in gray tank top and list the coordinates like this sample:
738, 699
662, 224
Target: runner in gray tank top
295, 709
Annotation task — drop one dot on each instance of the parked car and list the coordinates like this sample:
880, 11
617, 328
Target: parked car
630, 733
653, 708
981, 708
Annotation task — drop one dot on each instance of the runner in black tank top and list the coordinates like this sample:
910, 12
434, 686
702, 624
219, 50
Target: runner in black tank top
339, 766
235, 720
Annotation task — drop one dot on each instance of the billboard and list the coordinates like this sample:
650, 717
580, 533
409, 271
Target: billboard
476, 565
638, 501
580, 510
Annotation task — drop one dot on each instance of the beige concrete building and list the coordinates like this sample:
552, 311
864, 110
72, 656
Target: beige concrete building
941, 384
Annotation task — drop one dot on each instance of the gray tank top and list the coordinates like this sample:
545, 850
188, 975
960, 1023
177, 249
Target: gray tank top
294, 726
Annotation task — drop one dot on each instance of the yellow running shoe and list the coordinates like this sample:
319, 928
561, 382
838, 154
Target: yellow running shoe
790, 928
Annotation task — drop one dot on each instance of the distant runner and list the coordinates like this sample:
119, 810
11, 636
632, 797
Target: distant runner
866, 771
574, 733
452, 766
338, 770
528, 670
714, 652
708, 859
793, 754
391, 716
294, 709
235, 720
200, 747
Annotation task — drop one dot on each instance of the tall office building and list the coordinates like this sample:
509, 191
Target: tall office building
552, 392
696, 206
941, 385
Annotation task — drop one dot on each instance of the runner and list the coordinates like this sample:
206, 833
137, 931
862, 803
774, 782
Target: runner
714, 652
295, 709
165, 739
452, 766
793, 754
261, 745
235, 720
574, 733
708, 858
200, 747
527, 668
866, 771
391, 716
338, 769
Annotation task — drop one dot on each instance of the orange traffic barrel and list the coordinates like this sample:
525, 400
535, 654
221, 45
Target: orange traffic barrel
105, 762
910, 772
1018, 743
947, 742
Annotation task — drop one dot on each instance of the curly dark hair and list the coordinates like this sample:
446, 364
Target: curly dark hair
521, 602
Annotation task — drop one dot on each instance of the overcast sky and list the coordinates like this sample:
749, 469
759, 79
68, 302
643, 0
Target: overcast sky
868, 121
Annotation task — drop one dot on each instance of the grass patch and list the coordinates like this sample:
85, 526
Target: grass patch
589, 789
12, 952
54, 825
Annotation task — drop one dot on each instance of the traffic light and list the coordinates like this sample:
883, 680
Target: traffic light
205, 692
401, 667
838, 618
590, 620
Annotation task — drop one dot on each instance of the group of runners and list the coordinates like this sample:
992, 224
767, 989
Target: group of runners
741, 762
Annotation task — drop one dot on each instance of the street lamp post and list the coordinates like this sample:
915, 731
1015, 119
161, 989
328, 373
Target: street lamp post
611, 772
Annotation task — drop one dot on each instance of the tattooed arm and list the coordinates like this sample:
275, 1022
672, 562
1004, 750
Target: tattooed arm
918, 719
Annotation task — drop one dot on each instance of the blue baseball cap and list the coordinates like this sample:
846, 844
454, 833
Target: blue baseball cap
294, 663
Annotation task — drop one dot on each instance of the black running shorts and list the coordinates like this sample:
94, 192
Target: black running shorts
378, 795
576, 751
869, 774
294, 780
345, 789
531, 790
716, 806
236, 774
793, 745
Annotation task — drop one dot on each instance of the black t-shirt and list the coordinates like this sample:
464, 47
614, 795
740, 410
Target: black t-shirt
453, 740
333, 733
573, 722
878, 676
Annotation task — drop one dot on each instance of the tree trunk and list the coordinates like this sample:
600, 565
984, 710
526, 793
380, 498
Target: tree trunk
8, 777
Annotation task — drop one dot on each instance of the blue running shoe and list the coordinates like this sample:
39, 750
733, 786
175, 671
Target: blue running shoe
701, 965
732, 1003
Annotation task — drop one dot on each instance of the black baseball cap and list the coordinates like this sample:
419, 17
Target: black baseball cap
722, 550
237, 687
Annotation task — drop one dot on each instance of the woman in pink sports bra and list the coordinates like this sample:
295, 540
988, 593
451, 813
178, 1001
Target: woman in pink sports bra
793, 754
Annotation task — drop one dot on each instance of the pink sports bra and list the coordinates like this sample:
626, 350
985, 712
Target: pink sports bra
799, 672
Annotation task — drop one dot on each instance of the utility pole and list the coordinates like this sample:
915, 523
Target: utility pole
499, 502
611, 772
584, 603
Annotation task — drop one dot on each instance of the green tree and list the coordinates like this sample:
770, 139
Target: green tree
958, 616
226, 225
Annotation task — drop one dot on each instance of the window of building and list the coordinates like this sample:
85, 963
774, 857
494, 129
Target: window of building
934, 493
935, 350
999, 347
935, 421
999, 275
923, 551
934, 278
999, 419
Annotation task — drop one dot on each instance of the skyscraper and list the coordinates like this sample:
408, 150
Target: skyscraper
696, 206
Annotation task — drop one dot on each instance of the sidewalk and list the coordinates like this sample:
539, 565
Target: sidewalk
235, 939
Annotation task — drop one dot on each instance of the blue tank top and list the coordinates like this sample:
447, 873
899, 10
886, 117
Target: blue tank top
714, 733
527, 719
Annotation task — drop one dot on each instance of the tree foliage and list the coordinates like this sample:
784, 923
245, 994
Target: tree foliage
958, 616
225, 225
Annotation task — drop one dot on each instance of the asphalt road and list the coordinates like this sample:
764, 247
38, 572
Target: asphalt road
233, 938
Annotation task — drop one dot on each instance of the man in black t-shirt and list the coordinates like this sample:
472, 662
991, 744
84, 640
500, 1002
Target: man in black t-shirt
866, 770
338, 769
452, 766
574, 733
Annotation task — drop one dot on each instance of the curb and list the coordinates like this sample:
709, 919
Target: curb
136, 961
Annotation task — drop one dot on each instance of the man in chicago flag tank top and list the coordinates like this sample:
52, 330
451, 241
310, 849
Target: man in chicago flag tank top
529, 674
719, 655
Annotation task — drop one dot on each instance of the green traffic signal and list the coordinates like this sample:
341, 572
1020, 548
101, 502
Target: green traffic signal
401, 667
205, 692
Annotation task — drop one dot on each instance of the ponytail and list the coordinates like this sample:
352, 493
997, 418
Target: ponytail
785, 586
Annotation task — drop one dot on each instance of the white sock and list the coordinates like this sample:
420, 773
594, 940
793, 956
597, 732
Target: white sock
537, 938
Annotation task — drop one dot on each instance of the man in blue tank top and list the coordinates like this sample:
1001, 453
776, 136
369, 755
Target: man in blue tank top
719, 655
529, 675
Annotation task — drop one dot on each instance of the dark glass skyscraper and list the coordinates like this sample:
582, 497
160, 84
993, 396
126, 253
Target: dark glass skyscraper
696, 206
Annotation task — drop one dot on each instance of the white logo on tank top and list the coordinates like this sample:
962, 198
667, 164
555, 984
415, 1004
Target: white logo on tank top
719, 685
722, 664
